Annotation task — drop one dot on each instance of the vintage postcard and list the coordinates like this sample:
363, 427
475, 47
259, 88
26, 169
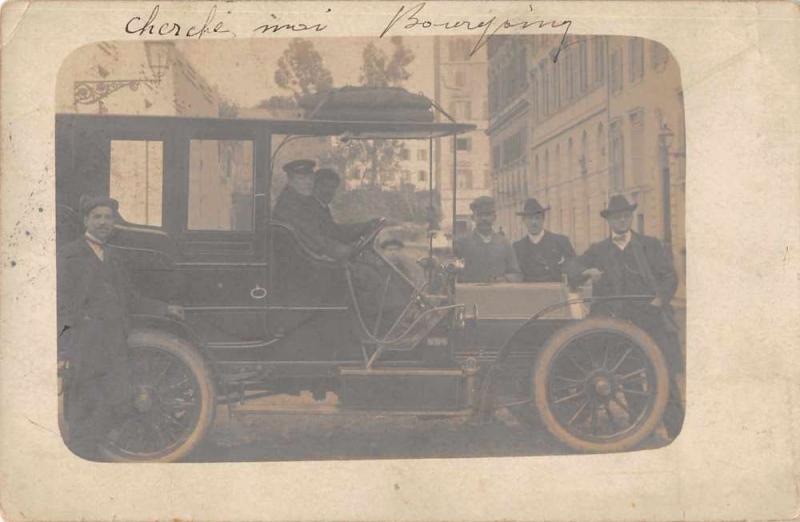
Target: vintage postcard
387, 260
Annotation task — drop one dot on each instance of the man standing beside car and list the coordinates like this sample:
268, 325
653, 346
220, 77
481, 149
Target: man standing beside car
95, 297
628, 263
541, 254
488, 255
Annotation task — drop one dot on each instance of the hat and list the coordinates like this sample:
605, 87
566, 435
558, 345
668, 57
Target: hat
618, 203
326, 173
89, 202
483, 204
300, 166
532, 207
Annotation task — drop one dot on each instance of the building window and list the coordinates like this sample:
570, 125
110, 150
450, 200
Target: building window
569, 83
535, 95
460, 78
136, 180
546, 90
601, 141
422, 175
556, 92
599, 62
464, 144
583, 161
536, 181
583, 73
422, 154
459, 49
496, 157
616, 71
659, 55
616, 169
637, 145
405, 154
636, 59
461, 109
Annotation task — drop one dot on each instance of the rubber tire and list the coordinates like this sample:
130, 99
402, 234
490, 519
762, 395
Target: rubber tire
195, 362
562, 338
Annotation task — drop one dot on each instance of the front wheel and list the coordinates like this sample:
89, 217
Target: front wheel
601, 385
172, 401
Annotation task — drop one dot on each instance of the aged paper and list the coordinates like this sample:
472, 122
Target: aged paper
736, 455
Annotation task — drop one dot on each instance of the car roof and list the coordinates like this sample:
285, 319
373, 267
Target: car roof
309, 127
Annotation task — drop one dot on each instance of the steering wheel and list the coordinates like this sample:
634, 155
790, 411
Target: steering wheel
368, 237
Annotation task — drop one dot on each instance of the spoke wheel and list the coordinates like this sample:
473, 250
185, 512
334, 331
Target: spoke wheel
171, 401
601, 385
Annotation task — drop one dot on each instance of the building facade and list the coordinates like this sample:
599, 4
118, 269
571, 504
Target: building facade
155, 78
602, 116
461, 90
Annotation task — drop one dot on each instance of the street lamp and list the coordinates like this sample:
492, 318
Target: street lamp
665, 136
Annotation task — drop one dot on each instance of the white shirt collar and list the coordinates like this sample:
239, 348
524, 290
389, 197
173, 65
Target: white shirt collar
485, 239
621, 240
538, 237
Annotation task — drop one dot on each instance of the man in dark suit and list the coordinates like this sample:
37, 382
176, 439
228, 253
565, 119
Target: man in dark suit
541, 254
297, 206
326, 182
628, 263
95, 298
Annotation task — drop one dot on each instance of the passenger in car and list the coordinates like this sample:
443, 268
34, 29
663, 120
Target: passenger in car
488, 255
326, 182
541, 253
297, 207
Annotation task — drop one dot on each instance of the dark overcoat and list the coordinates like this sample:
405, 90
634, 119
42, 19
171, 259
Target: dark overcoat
95, 299
543, 261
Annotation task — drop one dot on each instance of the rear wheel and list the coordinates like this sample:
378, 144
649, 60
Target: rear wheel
172, 404
601, 385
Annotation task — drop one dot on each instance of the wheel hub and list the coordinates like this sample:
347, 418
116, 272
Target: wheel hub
143, 400
601, 385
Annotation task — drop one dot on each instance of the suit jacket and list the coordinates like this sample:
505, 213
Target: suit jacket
95, 299
621, 275
305, 215
344, 232
484, 262
545, 260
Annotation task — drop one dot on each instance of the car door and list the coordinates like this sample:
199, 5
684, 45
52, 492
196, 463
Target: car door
220, 169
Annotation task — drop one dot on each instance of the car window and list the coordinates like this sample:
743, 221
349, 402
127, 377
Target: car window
136, 180
220, 185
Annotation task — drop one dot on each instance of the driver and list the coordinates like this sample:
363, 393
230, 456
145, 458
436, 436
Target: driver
298, 207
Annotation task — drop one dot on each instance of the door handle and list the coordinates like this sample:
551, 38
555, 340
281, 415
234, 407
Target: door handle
258, 292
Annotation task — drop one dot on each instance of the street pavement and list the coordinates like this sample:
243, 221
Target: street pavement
285, 437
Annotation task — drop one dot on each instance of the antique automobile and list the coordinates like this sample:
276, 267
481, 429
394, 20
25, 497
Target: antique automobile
266, 315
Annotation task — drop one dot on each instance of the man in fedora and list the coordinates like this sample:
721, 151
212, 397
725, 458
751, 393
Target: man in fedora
541, 254
628, 263
488, 255
95, 297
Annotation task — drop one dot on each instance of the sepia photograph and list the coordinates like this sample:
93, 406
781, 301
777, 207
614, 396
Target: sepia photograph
350, 248
428, 261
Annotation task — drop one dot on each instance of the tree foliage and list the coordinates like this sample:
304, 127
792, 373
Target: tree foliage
301, 70
378, 70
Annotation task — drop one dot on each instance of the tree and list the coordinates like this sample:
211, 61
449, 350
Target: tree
376, 161
301, 70
378, 70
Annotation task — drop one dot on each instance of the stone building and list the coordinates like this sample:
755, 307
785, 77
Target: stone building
605, 117
156, 79
461, 90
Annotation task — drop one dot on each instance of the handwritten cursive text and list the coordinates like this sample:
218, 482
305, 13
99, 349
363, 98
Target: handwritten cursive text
412, 18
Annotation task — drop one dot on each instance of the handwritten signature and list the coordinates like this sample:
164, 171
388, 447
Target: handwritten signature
413, 19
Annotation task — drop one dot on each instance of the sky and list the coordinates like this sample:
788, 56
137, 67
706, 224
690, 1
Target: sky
242, 69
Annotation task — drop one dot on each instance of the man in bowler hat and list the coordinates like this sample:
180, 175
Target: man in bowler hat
95, 298
628, 263
541, 254
488, 255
